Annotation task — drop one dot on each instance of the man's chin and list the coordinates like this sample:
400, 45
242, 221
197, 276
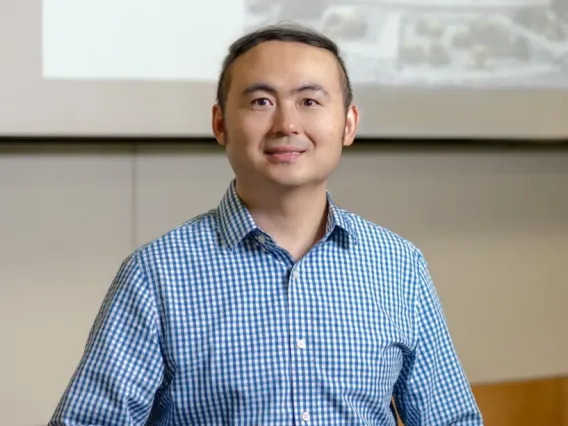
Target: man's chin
291, 181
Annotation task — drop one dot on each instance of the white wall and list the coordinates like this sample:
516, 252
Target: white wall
493, 225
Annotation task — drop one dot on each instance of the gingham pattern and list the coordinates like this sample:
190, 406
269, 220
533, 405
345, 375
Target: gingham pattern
214, 324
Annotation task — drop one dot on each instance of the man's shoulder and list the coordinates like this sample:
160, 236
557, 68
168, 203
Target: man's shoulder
378, 237
192, 233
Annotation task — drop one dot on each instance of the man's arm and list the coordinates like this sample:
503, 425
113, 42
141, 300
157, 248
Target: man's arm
432, 389
121, 367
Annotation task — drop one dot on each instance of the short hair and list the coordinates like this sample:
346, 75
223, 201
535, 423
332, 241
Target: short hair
288, 32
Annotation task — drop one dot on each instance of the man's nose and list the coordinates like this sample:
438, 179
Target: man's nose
286, 120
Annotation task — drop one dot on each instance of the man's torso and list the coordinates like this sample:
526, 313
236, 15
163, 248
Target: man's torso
251, 337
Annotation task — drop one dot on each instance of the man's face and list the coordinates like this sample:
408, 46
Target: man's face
285, 122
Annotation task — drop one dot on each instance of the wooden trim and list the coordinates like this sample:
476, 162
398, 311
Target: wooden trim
565, 395
542, 402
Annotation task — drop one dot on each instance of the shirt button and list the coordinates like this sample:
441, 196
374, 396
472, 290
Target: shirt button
301, 344
305, 416
261, 239
296, 275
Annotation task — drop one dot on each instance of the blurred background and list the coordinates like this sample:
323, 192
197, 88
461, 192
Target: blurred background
104, 147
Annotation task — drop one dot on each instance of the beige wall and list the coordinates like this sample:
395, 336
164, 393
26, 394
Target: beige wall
493, 225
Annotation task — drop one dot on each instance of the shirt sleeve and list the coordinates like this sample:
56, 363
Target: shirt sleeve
121, 366
433, 389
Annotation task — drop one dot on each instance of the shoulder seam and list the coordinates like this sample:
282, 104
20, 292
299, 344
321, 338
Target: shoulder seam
187, 224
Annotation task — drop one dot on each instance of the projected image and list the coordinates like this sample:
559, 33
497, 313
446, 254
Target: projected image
465, 43
437, 42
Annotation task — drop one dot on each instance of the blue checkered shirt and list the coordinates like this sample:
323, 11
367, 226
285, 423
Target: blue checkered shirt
214, 324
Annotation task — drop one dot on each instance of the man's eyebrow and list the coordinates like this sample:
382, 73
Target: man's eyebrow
259, 87
311, 87
264, 87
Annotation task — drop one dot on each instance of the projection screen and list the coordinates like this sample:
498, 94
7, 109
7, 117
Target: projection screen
420, 68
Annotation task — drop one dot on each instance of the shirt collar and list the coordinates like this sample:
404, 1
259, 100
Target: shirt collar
236, 222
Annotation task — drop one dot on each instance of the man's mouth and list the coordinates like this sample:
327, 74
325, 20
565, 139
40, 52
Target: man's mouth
284, 154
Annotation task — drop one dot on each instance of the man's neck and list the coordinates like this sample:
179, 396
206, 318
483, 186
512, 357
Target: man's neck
296, 219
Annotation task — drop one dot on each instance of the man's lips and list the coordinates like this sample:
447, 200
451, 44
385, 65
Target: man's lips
276, 151
284, 154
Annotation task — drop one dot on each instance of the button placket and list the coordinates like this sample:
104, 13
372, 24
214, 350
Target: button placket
299, 328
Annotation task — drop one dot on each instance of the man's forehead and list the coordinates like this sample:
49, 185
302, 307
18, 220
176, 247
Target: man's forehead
288, 63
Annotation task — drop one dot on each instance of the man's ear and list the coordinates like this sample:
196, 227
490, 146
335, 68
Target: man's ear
218, 124
351, 125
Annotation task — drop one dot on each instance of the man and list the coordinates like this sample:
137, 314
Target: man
278, 307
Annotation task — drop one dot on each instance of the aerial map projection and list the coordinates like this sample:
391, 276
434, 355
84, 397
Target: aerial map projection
424, 43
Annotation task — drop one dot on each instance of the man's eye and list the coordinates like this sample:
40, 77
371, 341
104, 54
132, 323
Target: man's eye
261, 102
310, 102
